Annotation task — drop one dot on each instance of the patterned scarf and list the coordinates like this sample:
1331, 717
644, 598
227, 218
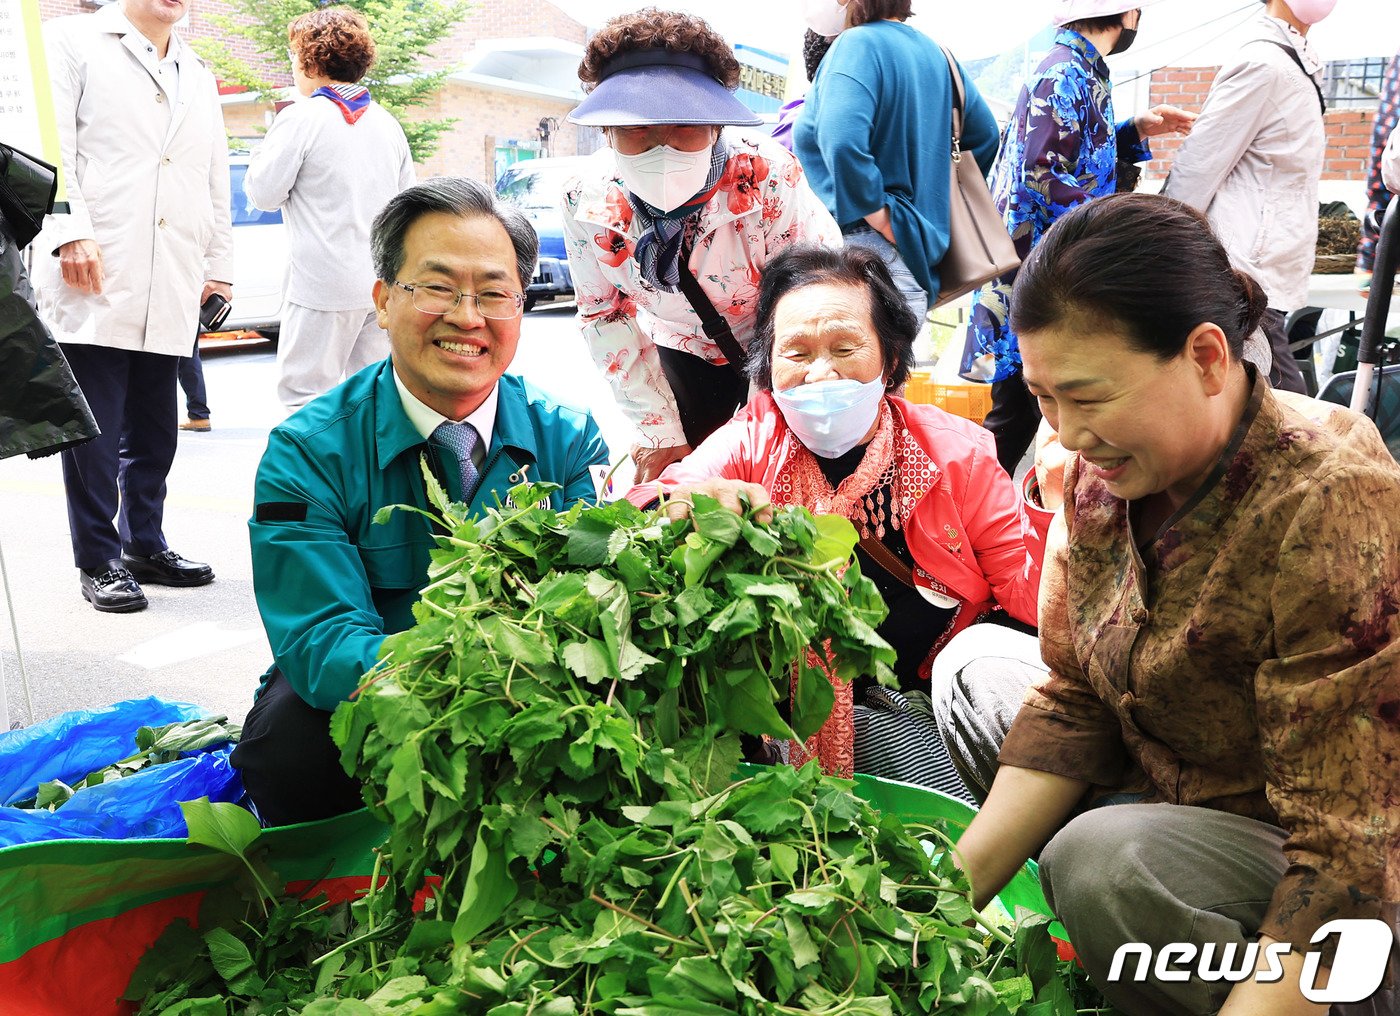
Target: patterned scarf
880, 492
353, 100
658, 250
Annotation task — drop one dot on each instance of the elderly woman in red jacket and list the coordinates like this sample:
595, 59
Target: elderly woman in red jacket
945, 534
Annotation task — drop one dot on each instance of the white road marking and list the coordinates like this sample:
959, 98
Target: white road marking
188, 643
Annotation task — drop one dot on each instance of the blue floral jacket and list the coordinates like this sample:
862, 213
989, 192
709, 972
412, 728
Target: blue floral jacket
1060, 150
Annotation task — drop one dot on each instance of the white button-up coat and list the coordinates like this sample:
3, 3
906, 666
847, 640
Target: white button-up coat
147, 179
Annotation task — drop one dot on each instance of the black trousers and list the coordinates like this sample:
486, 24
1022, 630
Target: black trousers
1285, 374
1013, 421
289, 764
192, 383
707, 394
115, 484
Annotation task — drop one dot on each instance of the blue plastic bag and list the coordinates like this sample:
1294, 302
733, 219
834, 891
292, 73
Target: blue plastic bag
70, 746
144, 805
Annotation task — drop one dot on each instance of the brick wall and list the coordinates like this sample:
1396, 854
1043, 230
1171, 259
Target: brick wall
1178, 86
486, 119
1348, 130
505, 19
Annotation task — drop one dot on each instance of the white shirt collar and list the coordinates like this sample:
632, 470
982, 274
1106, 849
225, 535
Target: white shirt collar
426, 419
122, 26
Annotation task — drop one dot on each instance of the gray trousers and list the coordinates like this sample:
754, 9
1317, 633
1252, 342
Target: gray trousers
318, 349
1148, 873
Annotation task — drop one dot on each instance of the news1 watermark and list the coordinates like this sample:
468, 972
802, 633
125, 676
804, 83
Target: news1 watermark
1363, 949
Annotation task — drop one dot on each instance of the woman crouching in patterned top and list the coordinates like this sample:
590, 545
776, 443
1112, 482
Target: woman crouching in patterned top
946, 536
1218, 623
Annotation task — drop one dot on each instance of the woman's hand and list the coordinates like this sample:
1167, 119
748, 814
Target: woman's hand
651, 461
1024, 809
1050, 459
880, 222
730, 494
1161, 120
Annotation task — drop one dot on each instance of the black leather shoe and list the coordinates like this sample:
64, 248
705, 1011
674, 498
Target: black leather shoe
111, 588
168, 569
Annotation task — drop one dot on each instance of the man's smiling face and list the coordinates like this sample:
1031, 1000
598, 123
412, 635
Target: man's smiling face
451, 361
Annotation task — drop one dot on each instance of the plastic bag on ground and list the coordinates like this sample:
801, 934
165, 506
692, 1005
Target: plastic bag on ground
143, 805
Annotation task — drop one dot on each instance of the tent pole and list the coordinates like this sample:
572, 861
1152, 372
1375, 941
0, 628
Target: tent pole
19, 656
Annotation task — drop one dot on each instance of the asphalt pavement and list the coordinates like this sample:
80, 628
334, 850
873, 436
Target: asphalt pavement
203, 645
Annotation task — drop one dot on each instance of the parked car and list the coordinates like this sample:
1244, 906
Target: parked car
537, 186
259, 259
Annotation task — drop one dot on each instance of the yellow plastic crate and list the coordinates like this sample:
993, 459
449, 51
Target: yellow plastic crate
970, 401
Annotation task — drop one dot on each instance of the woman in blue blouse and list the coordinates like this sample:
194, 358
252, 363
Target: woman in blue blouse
1061, 149
875, 137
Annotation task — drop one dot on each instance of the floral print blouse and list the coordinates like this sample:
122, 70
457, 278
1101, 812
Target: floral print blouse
1060, 149
762, 204
1247, 658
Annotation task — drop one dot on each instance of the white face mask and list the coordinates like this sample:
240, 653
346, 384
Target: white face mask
825, 17
831, 417
665, 177
1310, 12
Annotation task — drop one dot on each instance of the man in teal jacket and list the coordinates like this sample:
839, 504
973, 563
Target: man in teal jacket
330, 584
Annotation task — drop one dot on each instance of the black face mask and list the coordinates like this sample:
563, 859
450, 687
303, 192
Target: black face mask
1125, 39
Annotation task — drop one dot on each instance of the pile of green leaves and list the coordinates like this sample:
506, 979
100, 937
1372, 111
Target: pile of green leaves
154, 746
596, 659
554, 741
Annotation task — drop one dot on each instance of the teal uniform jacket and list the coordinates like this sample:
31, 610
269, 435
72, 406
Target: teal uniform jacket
330, 584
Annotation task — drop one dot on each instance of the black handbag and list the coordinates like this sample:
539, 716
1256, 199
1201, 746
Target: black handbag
28, 186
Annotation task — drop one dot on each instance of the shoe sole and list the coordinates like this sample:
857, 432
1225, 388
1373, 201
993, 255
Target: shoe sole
129, 607
162, 580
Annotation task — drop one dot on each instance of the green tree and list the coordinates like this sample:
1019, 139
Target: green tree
403, 31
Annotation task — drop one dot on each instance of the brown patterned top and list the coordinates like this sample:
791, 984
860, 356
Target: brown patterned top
1247, 659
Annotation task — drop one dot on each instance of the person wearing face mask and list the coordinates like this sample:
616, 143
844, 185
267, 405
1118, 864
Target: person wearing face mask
1253, 162
670, 228
875, 135
945, 535
1061, 148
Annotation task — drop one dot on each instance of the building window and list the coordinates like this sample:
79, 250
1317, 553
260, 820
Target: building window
1354, 84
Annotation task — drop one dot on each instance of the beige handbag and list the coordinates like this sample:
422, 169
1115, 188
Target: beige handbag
979, 247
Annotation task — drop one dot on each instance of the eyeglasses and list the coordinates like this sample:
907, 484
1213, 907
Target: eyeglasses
497, 304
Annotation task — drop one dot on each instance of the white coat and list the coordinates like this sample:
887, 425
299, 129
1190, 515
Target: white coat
1390, 164
148, 182
1253, 161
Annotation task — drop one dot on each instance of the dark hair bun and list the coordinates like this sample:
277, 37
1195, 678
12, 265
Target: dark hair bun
1253, 302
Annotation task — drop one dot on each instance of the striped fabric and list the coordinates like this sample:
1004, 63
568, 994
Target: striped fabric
897, 739
353, 100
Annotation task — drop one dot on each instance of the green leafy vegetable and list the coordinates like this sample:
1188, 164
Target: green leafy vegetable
554, 743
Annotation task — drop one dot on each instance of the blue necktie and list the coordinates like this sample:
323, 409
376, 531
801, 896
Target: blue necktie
460, 439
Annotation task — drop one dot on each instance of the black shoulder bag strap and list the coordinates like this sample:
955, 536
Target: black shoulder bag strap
1293, 55
888, 560
711, 320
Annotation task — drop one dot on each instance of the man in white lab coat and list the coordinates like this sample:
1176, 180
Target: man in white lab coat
146, 241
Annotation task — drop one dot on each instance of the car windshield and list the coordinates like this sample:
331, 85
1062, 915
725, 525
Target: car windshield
244, 214
535, 187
